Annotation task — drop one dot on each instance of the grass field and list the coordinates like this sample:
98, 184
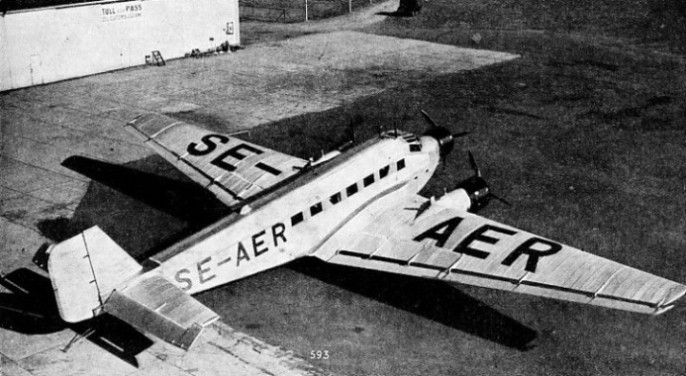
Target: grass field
584, 134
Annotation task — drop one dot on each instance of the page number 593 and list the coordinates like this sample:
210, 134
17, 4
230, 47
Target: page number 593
319, 354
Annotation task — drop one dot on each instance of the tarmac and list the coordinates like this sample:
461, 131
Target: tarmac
42, 194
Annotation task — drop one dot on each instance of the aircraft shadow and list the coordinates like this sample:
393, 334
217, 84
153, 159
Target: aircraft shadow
31, 309
176, 195
395, 14
434, 300
142, 211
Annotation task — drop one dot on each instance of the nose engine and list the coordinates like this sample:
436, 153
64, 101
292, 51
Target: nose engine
445, 139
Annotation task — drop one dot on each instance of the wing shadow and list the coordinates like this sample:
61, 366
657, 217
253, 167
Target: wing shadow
144, 206
174, 194
396, 13
31, 309
434, 300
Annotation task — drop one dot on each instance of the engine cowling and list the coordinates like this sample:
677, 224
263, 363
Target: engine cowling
445, 139
477, 191
455, 199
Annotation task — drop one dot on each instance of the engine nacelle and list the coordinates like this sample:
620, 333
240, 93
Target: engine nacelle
456, 199
444, 138
477, 191
333, 154
326, 157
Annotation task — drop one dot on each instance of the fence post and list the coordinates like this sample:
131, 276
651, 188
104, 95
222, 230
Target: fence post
350, 6
305, 10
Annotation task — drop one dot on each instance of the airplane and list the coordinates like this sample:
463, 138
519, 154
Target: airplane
358, 207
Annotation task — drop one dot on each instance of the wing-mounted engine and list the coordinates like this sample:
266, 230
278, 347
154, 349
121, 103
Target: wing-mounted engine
456, 199
477, 191
472, 194
332, 154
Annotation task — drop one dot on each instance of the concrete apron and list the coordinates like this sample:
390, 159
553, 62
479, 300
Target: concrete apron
41, 127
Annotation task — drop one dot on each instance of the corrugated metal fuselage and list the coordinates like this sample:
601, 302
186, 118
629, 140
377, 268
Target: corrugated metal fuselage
294, 219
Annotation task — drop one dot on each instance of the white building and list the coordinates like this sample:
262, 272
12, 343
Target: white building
44, 45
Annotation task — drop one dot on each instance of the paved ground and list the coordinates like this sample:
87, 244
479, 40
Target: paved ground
49, 133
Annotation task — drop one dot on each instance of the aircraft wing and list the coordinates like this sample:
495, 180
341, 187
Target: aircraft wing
232, 169
398, 234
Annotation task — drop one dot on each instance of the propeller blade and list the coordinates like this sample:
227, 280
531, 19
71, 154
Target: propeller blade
504, 201
472, 162
352, 131
461, 134
429, 119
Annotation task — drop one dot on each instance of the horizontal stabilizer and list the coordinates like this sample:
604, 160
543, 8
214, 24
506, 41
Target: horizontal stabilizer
156, 306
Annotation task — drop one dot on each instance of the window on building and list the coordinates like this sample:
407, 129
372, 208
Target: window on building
335, 198
415, 147
297, 219
368, 180
316, 209
401, 164
351, 190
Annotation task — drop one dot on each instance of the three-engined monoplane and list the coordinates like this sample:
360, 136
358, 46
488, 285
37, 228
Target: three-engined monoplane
357, 207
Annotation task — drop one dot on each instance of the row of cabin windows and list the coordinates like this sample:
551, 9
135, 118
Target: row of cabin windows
349, 191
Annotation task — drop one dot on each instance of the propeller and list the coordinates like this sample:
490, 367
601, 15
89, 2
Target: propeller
433, 124
477, 177
429, 119
444, 137
472, 163
351, 128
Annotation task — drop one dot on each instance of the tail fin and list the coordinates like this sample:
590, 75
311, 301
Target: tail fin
85, 270
91, 274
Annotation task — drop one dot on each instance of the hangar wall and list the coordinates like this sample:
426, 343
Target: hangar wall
44, 45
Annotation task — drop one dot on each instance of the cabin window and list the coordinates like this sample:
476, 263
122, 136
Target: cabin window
401, 164
336, 198
316, 209
415, 147
368, 180
297, 219
383, 172
351, 190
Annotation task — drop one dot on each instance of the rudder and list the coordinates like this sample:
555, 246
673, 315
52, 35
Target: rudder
85, 270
